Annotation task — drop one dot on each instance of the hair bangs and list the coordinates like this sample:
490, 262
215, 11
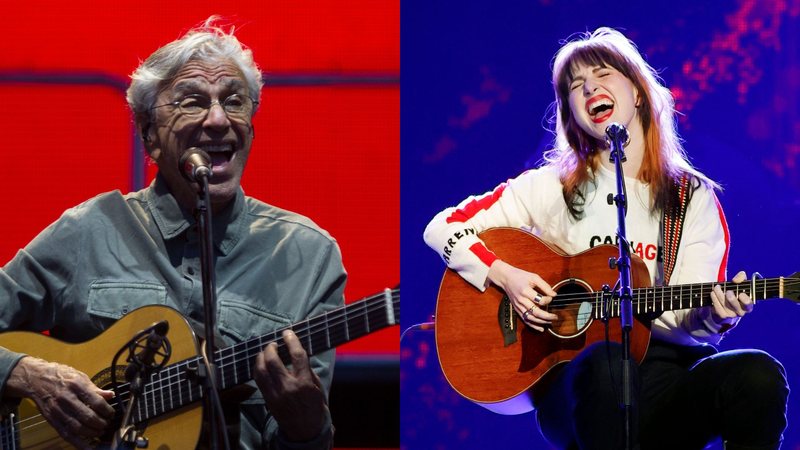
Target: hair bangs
591, 55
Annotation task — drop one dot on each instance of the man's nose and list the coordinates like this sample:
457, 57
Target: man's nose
216, 117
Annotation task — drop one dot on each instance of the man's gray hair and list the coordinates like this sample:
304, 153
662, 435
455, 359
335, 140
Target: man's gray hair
206, 42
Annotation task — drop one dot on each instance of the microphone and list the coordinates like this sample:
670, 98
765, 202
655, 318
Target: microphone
617, 138
145, 359
617, 133
195, 164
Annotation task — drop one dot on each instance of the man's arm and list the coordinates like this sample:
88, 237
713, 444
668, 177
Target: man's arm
31, 287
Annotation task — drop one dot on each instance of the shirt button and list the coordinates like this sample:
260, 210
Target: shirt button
190, 270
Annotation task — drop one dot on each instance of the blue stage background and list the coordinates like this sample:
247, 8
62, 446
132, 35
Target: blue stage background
475, 93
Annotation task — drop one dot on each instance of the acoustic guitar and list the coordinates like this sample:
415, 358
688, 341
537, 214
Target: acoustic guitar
488, 354
169, 412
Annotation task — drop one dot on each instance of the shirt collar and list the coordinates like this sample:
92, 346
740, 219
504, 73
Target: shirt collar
172, 220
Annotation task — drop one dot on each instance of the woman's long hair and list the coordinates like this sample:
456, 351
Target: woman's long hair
575, 151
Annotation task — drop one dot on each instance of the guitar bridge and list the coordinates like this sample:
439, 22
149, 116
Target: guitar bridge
507, 321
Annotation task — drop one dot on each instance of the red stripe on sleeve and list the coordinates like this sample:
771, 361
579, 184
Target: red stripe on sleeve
724, 263
475, 206
483, 253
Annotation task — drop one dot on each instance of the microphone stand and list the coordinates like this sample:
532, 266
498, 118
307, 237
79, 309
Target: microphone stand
209, 378
617, 137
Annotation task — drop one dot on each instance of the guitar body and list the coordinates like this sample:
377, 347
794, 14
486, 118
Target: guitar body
179, 429
489, 355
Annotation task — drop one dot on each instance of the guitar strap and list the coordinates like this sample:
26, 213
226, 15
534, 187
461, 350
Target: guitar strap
672, 219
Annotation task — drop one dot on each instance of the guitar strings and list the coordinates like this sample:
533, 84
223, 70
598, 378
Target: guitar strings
305, 332
582, 296
371, 304
250, 349
570, 302
161, 384
567, 299
369, 308
665, 293
225, 366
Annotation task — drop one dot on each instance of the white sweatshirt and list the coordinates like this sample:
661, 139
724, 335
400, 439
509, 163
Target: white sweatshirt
534, 202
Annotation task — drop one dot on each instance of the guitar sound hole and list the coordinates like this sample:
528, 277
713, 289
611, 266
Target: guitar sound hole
573, 316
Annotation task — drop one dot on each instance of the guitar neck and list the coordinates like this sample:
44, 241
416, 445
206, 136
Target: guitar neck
686, 296
171, 389
318, 334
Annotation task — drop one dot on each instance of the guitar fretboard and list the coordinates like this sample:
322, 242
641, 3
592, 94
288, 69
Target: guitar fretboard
170, 388
670, 298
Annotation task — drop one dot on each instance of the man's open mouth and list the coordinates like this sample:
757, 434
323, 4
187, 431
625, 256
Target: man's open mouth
220, 154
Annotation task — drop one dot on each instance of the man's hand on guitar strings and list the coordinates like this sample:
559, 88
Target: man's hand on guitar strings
293, 396
727, 306
523, 289
76, 408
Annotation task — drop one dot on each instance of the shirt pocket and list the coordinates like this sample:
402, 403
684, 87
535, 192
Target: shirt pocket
110, 300
243, 320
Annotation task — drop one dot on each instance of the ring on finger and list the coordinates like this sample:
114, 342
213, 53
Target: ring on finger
537, 298
529, 311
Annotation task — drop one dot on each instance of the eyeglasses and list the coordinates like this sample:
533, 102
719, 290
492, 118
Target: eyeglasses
195, 106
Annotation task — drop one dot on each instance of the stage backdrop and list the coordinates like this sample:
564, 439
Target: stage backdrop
475, 96
327, 133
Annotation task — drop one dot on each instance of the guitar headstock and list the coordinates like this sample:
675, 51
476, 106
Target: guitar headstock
791, 287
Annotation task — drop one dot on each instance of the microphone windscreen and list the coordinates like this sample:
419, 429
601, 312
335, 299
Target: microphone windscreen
193, 163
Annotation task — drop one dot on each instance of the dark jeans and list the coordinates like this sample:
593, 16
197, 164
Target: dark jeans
684, 397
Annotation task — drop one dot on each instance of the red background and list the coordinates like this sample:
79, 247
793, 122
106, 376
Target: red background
327, 132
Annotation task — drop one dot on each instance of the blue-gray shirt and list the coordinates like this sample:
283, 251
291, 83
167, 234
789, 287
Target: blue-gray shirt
114, 253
